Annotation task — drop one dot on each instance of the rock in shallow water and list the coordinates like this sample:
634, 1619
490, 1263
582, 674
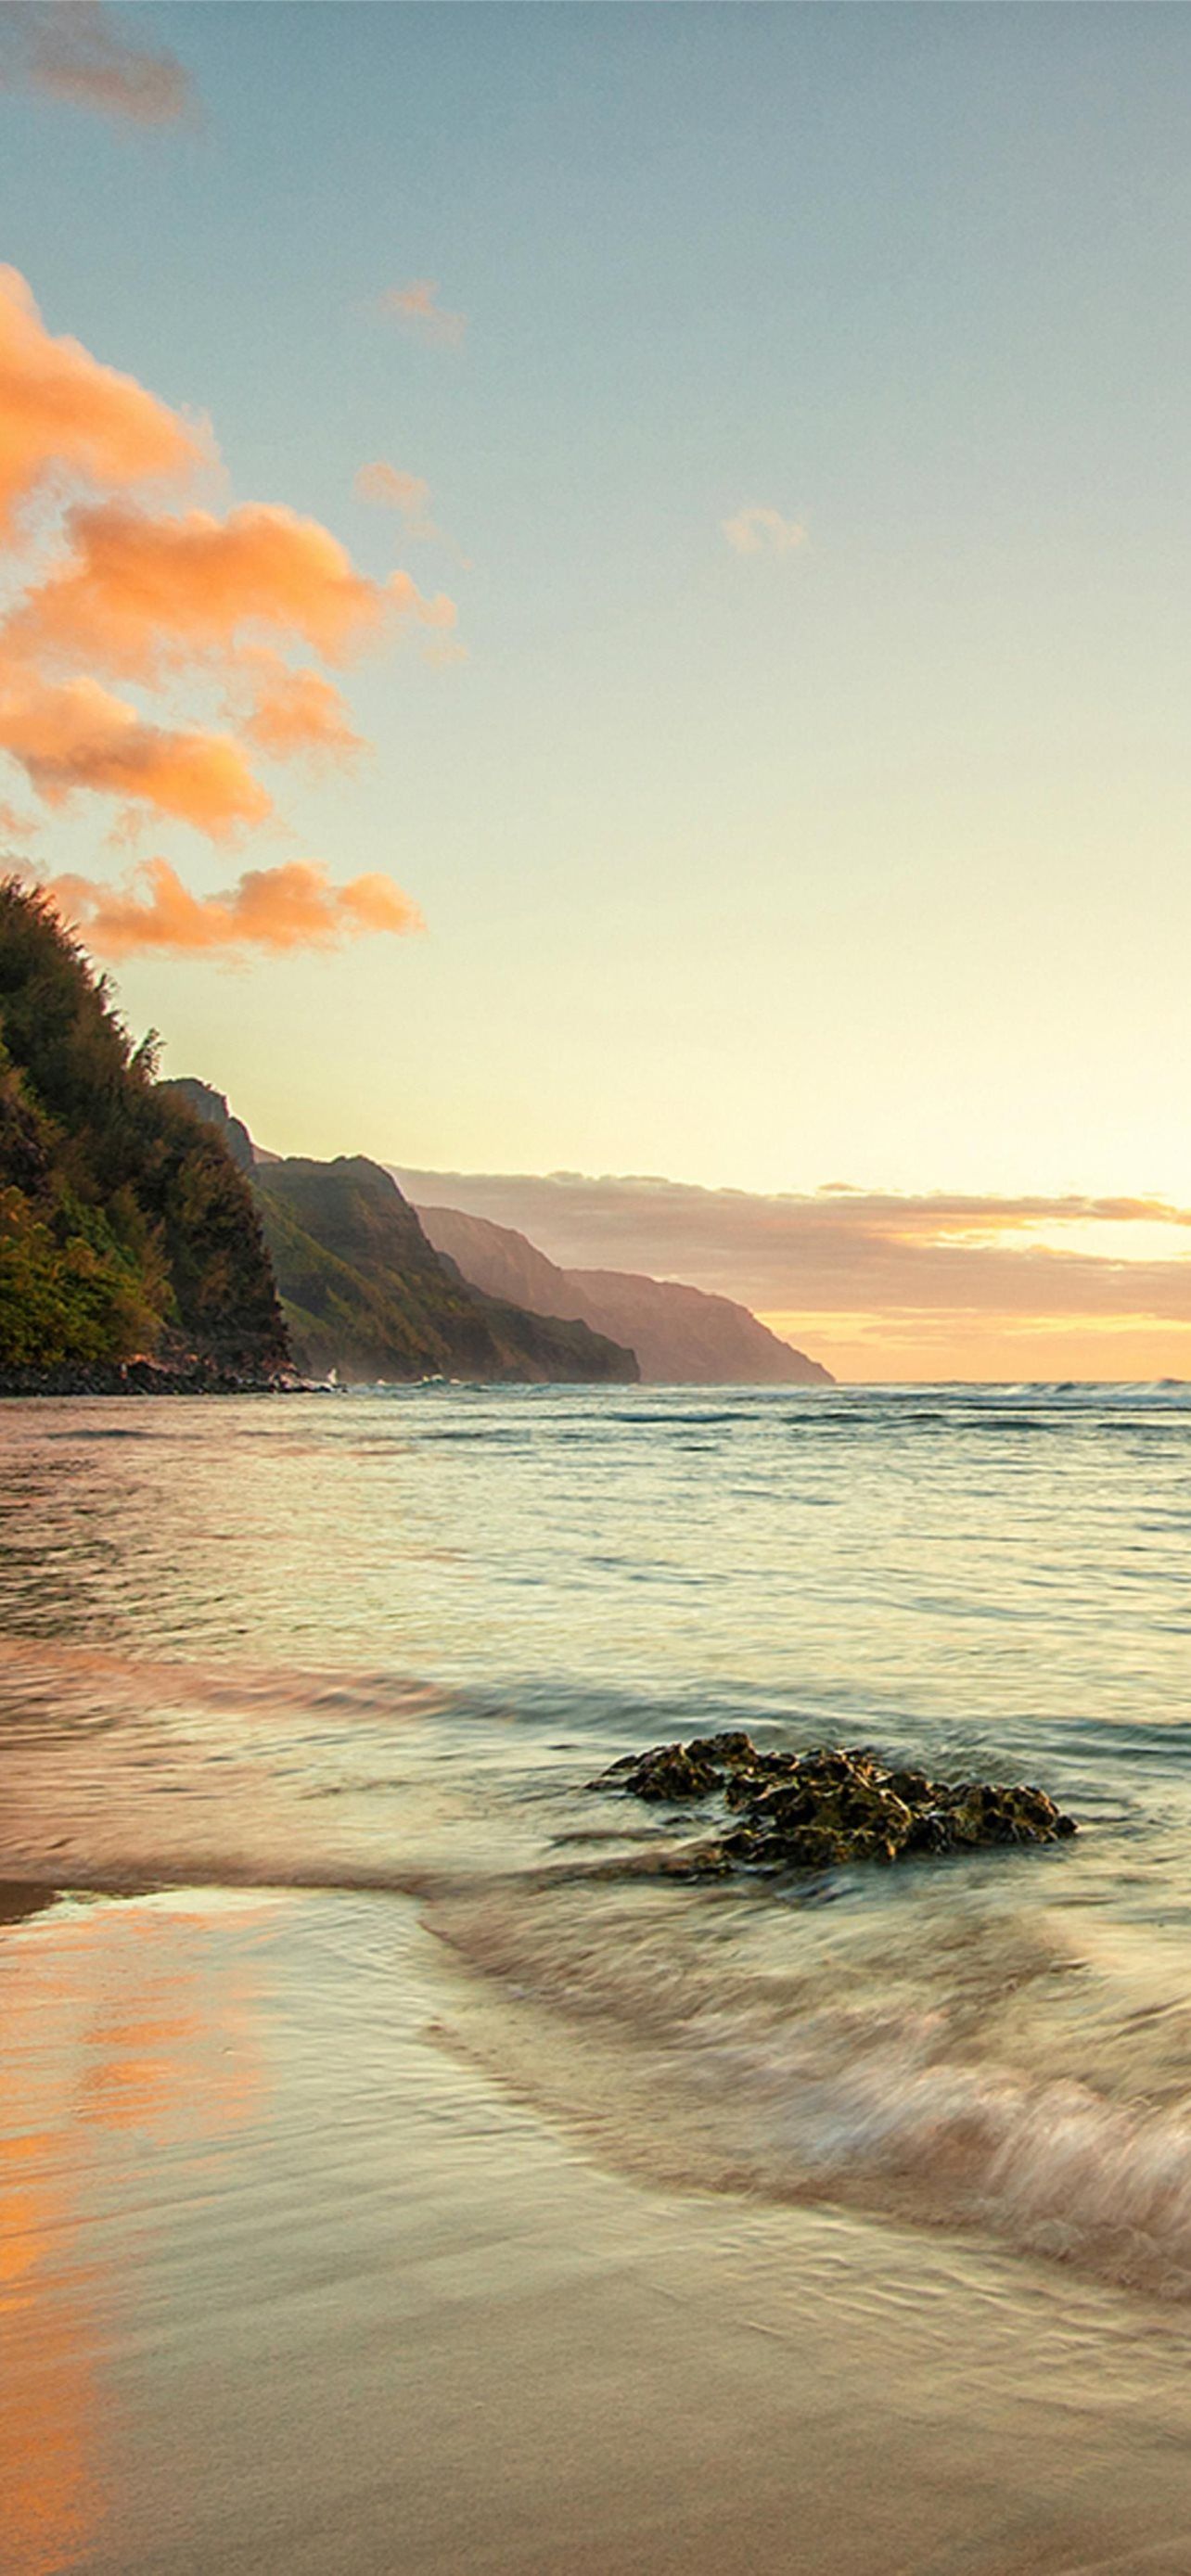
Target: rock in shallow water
818, 1810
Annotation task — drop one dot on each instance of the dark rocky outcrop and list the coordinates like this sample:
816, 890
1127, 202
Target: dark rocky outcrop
823, 1809
186, 1375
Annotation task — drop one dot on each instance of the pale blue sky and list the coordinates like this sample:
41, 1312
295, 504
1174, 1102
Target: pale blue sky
867, 862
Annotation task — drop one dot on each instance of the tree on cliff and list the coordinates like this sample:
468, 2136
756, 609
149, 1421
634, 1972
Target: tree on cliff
125, 1227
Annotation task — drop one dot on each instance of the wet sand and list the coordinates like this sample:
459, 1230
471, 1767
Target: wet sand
285, 2283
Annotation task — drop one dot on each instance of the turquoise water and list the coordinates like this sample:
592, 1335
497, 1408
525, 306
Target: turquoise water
385, 1641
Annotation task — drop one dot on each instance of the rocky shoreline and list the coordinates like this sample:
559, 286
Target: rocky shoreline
825, 1809
191, 1376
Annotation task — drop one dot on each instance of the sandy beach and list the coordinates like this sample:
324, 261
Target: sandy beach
395, 2181
595, 1289
289, 2284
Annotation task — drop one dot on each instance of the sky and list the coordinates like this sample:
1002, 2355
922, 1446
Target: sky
603, 590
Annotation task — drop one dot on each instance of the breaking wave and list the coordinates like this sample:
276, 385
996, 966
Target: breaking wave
963, 2061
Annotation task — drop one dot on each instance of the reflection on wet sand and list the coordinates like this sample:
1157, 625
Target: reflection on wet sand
49, 2434
288, 2284
122, 2022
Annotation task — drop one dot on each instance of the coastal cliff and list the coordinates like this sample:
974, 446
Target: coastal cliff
127, 1234
682, 1336
365, 1293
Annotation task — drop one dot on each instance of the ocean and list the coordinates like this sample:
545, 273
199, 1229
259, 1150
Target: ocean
358, 1658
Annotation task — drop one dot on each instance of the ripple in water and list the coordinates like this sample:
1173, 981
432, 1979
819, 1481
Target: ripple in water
383, 1641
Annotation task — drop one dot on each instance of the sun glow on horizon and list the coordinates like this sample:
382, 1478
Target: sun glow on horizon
811, 794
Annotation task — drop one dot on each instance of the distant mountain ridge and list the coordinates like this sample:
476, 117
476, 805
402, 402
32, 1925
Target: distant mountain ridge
365, 1293
682, 1336
377, 1288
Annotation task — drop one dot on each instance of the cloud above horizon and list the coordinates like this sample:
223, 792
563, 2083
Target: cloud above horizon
416, 309
141, 596
275, 909
763, 531
79, 737
19, 827
66, 416
863, 1277
74, 51
390, 487
295, 713
215, 606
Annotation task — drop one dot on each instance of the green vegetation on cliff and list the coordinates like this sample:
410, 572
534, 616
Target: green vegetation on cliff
125, 1228
365, 1293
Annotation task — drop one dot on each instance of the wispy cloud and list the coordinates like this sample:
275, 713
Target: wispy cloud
417, 309
813, 1250
172, 601
75, 51
391, 488
877, 1283
762, 531
275, 909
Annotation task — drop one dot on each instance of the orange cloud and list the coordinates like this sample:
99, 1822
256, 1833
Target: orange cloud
763, 531
71, 49
140, 594
296, 712
19, 827
275, 909
417, 309
394, 489
123, 591
62, 412
79, 736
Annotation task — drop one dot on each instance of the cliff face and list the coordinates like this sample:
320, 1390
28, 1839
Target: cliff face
365, 1293
212, 1106
502, 1262
125, 1228
681, 1335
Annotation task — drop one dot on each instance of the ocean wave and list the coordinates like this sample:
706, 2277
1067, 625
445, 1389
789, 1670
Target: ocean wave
989, 2071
